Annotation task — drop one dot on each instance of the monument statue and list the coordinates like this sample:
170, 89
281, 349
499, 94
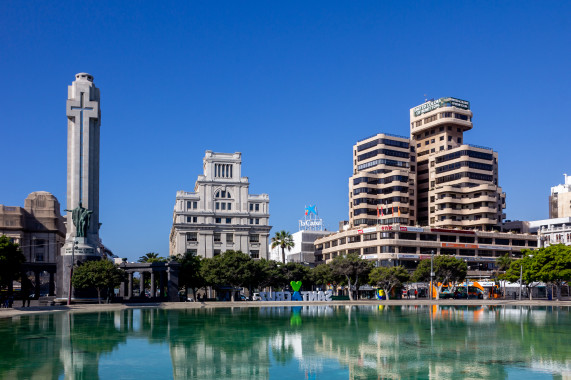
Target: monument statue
81, 218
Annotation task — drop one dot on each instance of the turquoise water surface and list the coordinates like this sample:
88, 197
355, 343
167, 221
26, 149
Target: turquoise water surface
309, 342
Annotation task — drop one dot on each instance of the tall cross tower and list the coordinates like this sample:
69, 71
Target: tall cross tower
83, 122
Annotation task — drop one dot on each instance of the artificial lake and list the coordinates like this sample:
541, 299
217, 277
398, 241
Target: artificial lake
304, 342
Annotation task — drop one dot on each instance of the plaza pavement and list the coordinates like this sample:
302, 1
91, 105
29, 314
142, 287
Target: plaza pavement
35, 308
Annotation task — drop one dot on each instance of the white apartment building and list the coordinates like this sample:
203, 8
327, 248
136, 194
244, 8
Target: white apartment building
560, 200
552, 231
220, 214
303, 250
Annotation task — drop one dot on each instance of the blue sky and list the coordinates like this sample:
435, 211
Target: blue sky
291, 85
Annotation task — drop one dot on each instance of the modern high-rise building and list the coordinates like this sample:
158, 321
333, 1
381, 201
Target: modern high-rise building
432, 178
382, 188
220, 215
457, 183
560, 200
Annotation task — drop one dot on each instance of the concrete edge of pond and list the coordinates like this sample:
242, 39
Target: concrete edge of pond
89, 308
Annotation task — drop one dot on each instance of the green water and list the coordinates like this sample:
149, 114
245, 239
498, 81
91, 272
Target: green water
358, 342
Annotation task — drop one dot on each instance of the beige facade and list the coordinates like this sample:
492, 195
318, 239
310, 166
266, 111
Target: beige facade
457, 183
38, 227
405, 245
560, 200
432, 178
220, 214
382, 188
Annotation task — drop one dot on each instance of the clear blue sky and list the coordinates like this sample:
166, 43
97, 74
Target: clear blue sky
291, 85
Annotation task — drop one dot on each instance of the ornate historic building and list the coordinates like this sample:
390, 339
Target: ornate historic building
220, 214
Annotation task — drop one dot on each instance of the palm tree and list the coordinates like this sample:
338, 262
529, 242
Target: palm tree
284, 240
151, 257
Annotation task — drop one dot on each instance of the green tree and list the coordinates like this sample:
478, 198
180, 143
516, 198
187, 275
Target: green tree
352, 267
522, 268
11, 260
230, 268
98, 274
283, 240
504, 262
388, 278
322, 275
295, 272
190, 275
552, 265
152, 257
447, 270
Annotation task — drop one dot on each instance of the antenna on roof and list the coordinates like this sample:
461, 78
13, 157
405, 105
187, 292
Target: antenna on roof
425, 98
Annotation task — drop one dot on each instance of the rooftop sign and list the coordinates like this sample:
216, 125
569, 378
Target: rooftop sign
311, 222
442, 102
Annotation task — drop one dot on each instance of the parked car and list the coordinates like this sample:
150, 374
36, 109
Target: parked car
256, 297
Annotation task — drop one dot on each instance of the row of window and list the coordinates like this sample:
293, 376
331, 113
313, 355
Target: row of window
434, 238
372, 222
380, 181
194, 219
223, 206
400, 164
223, 170
193, 237
375, 201
386, 211
384, 190
386, 152
457, 176
469, 164
469, 153
370, 144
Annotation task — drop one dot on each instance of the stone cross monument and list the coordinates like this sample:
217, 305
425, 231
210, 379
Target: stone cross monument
83, 122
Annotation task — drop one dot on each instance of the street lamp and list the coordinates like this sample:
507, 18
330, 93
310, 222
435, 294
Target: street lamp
71, 271
431, 272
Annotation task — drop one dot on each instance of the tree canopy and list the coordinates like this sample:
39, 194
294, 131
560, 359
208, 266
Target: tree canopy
190, 275
232, 268
388, 278
152, 257
447, 269
352, 267
11, 260
98, 274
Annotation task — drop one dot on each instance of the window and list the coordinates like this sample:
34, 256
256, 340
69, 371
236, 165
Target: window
229, 238
418, 145
228, 220
190, 205
223, 206
449, 138
441, 147
441, 129
229, 206
195, 205
251, 221
432, 141
191, 219
251, 207
255, 238
217, 206
257, 221
217, 237
432, 150
368, 237
255, 254
218, 220
426, 142
441, 138
216, 252
459, 140
191, 236
257, 207
192, 252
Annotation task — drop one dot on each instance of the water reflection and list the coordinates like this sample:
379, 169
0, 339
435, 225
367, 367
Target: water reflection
317, 341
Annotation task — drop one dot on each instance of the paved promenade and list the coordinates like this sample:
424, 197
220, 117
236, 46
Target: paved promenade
79, 308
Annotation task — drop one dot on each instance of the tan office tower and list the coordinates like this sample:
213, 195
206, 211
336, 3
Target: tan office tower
457, 183
381, 190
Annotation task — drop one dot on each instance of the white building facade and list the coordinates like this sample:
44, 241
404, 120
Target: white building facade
303, 250
560, 200
220, 214
552, 231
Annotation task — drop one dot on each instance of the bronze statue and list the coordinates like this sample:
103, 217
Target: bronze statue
81, 218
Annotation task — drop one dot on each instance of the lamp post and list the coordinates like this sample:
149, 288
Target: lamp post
71, 271
431, 272
520, 279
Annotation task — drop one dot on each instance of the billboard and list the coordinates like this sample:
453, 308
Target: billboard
442, 102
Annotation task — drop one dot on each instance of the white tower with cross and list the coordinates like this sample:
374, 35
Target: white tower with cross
83, 122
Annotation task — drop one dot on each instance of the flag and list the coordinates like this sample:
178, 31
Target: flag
393, 208
377, 211
399, 209
382, 213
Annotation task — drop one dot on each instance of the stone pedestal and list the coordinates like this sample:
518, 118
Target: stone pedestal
81, 253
